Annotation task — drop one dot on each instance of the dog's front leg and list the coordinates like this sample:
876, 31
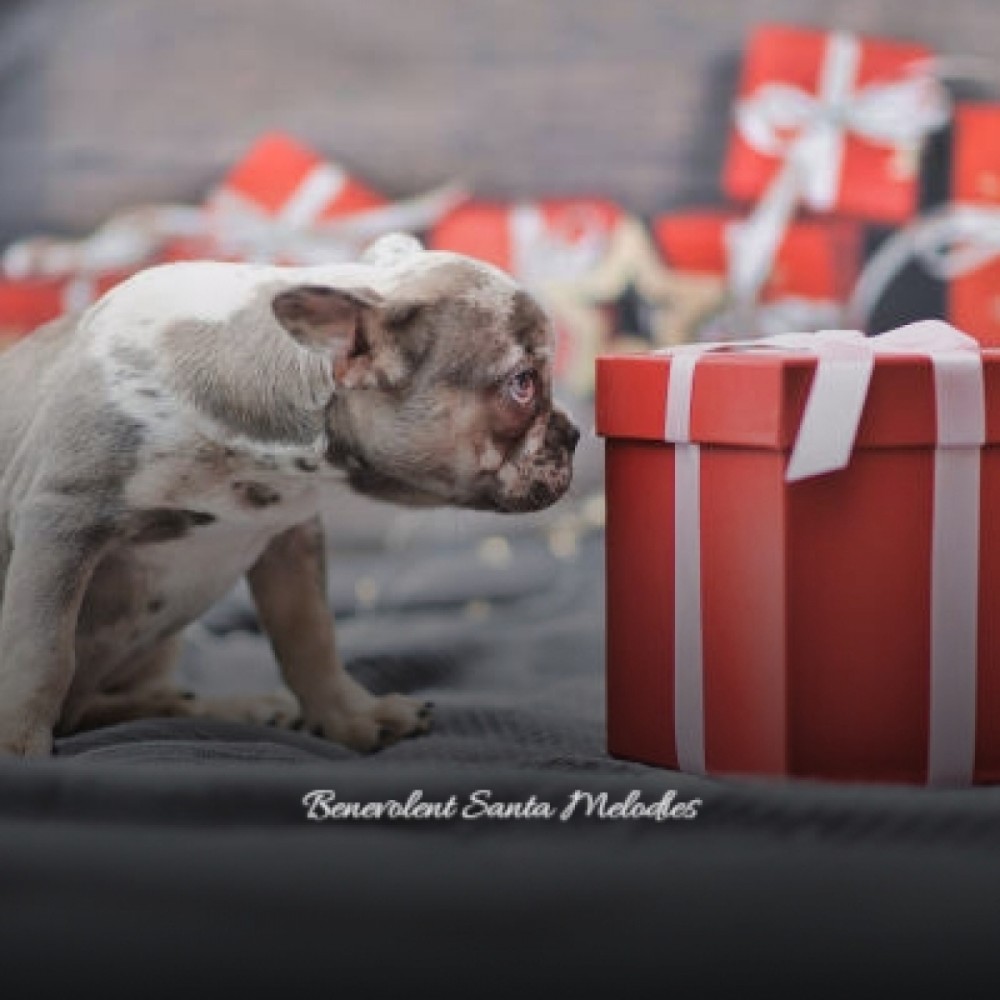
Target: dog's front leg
288, 583
55, 549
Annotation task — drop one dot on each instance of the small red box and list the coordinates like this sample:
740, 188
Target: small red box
26, 304
280, 177
815, 595
492, 231
817, 258
974, 298
874, 181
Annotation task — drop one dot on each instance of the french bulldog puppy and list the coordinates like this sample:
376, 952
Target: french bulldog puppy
188, 428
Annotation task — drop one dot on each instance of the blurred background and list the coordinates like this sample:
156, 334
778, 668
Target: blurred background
107, 103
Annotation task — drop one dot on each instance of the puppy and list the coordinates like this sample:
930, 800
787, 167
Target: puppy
187, 429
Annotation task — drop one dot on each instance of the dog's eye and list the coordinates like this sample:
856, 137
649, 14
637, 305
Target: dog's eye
523, 386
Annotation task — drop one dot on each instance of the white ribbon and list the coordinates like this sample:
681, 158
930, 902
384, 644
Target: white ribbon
950, 242
543, 253
232, 226
845, 361
809, 132
241, 228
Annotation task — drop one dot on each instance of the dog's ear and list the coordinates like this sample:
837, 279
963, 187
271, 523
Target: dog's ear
371, 343
325, 319
335, 322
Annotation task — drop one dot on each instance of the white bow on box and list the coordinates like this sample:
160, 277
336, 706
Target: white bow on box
809, 132
228, 227
824, 443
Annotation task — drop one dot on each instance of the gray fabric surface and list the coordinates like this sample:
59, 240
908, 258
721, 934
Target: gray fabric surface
183, 846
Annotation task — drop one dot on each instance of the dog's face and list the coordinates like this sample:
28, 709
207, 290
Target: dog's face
443, 383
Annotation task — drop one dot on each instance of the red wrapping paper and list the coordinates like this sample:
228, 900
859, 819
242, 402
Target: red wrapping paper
815, 594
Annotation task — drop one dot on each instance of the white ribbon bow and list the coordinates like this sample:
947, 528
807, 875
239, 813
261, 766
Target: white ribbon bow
824, 444
810, 133
231, 226
543, 254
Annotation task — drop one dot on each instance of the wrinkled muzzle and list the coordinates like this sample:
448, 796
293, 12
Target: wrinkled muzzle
540, 471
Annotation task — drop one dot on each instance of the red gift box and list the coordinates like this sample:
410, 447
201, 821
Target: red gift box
552, 239
974, 296
864, 159
841, 626
26, 304
281, 178
817, 258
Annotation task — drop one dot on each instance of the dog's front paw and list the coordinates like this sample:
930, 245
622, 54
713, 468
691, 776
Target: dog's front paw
375, 724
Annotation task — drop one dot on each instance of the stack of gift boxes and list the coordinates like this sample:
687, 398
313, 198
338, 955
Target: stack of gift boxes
803, 555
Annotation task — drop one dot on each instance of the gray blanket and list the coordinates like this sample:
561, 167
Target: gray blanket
185, 846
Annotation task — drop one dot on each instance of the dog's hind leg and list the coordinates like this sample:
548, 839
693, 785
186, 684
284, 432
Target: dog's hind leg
171, 703
146, 694
55, 548
153, 696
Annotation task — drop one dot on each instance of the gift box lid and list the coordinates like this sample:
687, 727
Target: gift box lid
756, 398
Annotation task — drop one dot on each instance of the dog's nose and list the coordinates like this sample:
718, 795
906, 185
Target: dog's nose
561, 432
572, 437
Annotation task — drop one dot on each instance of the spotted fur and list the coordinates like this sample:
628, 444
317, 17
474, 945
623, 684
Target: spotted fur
188, 429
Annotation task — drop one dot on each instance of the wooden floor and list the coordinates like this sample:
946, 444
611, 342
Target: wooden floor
105, 103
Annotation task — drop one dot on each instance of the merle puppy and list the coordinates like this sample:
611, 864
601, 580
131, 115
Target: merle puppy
187, 429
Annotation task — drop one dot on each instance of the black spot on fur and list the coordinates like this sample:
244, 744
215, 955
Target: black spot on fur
151, 393
167, 525
161, 526
155, 605
257, 494
306, 464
